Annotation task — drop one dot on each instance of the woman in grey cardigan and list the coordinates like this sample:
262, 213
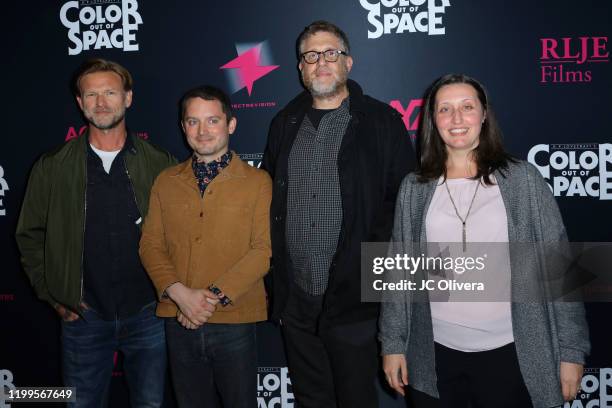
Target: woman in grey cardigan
500, 354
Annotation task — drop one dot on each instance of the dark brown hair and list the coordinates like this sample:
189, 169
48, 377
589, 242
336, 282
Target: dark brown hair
325, 26
208, 93
100, 65
489, 155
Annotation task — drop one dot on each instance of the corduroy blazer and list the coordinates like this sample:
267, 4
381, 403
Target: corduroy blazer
222, 238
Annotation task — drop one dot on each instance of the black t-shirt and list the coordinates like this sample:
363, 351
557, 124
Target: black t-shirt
315, 115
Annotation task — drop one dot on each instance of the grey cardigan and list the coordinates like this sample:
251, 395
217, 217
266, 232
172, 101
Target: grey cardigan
545, 333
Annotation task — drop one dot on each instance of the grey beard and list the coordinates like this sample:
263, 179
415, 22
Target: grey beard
325, 92
113, 124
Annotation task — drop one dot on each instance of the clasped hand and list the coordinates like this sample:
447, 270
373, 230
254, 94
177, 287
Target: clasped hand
195, 306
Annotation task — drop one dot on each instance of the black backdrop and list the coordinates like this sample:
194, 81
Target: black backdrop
545, 64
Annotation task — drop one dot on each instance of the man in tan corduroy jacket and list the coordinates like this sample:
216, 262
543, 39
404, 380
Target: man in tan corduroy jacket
206, 246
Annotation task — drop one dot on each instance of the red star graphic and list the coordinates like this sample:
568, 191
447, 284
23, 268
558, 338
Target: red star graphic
248, 67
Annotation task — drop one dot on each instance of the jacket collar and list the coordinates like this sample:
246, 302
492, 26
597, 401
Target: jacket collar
130, 145
235, 168
303, 101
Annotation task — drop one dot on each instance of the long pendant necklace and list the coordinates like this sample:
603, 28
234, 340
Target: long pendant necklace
463, 220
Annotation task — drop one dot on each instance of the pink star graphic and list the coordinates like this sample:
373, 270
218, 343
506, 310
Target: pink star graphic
248, 67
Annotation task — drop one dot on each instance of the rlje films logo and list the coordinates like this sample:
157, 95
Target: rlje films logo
3, 187
274, 388
570, 59
577, 169
97, 24
398, 16
254, 61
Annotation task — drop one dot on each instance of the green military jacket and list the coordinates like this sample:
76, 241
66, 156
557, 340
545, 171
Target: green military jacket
51, 225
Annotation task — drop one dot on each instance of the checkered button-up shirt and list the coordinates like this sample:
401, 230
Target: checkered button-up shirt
314, 203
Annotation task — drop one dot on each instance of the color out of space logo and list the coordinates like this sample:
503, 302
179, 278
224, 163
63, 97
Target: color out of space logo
575, 169
595, 389
399, 16
252, 159
274, 388
98, 24
6, 383
3, 188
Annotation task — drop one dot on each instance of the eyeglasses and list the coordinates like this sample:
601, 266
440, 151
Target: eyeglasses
311, 57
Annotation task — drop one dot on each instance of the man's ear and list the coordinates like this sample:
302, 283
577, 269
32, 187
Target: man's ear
231, 126
128, 99
349, 63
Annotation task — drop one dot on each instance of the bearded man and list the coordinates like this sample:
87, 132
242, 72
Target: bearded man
337, 158
78, 233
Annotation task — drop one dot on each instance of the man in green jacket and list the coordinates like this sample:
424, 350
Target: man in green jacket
78, 234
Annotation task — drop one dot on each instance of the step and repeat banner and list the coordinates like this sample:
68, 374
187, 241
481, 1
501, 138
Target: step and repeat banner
546, 65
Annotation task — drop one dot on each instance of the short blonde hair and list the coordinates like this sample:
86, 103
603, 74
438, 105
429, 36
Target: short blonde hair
101, 65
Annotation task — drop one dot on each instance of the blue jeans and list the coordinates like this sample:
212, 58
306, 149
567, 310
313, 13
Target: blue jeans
214, 365
88, 347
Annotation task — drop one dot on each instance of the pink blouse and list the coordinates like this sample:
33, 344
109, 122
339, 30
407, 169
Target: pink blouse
462, 323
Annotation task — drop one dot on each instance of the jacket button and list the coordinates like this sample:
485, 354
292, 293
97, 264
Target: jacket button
198, 239
209, 191
281, 182
278, 218
201, 214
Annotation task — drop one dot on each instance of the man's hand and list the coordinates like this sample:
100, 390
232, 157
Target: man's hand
66, 314
185, 322
571, 376
396, 371
196, 306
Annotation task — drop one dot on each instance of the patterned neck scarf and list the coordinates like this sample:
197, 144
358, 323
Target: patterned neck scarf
206, 172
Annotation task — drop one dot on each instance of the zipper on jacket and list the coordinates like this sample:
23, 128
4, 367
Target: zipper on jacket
83, 237
127, 173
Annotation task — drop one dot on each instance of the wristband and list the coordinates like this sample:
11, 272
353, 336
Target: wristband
224, 300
